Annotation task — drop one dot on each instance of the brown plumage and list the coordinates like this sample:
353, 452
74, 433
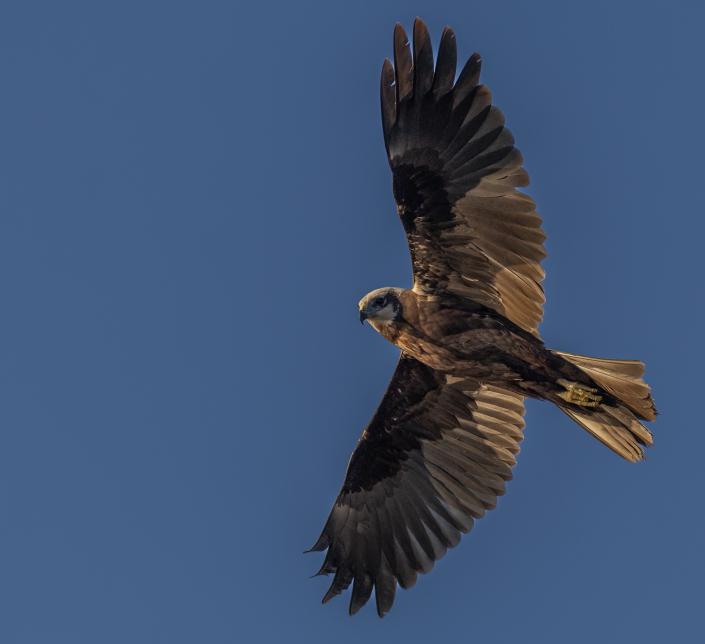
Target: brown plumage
439, 448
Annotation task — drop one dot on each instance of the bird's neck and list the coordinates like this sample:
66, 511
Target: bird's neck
388, 329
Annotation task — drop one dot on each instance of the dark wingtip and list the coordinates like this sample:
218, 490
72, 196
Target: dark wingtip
403, 67
320, 545
387, 92
423, 59
361, 592
469, 78
319, 573
446, 63
328, 596
401, 40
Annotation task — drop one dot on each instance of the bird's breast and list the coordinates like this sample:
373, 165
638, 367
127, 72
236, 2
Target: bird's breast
418, 345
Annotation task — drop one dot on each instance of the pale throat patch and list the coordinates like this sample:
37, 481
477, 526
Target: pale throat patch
383, 317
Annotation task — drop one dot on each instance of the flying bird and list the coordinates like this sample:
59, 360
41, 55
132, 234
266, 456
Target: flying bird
440, 447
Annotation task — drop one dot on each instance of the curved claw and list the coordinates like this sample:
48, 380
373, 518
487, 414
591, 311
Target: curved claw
578, 394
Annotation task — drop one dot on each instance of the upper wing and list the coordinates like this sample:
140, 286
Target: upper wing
455, 172
435, 456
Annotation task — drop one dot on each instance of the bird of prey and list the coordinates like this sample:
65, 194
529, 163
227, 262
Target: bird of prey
440, 447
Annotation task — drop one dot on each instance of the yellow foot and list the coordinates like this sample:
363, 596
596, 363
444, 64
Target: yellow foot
579, 394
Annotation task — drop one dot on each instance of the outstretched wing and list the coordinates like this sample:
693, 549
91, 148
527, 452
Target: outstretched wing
434, 457
455, 171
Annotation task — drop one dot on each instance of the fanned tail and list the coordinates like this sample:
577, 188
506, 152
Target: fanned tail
622, 378
618, 426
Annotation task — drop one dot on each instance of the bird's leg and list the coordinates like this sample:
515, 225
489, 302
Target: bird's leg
579, 394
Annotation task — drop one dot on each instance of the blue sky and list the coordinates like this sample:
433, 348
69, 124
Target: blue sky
195, 196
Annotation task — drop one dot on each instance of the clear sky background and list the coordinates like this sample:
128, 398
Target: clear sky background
193, 198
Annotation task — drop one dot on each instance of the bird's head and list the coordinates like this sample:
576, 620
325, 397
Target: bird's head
381, 307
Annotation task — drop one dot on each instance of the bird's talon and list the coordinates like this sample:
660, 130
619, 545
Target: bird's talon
578, 394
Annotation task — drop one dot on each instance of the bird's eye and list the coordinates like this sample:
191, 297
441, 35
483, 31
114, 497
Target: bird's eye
379, 301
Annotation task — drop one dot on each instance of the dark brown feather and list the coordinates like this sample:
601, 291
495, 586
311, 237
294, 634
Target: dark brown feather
446, 64
403, 64
423, 59
456, 170
435, 455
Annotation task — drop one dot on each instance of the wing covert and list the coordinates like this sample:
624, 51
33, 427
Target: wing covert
455, 173
434, 457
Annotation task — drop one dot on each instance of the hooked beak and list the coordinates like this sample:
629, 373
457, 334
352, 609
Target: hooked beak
363, 316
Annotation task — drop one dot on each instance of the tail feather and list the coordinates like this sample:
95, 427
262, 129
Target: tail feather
618, 426
622, 378
615, 430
